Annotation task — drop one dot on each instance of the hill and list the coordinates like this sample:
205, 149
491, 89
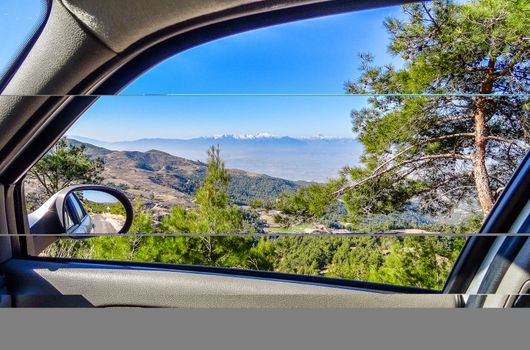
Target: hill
160, 178
307, 159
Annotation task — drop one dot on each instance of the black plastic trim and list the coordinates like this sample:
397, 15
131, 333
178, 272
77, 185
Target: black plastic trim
18, 246
466, 266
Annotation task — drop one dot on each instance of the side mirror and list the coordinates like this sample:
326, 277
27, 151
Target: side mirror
83, 209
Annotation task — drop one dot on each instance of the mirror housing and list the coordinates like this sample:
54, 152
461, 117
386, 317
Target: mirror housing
50, 218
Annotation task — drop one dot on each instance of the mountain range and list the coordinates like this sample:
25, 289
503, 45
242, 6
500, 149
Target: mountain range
314, 159
159, 178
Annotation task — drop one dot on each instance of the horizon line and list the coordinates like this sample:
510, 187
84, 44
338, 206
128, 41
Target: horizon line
235, 136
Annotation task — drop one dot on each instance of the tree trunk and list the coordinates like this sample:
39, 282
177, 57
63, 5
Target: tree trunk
480, 171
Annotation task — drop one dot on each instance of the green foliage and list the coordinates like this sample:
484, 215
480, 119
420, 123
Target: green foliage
213, 215
409, 261
66, 165
69, 248
281, 220
304, 254
97, 208
419, 261
245, 189
384, 195
256, 204
308, 202
262, 255
142, 221
359, 258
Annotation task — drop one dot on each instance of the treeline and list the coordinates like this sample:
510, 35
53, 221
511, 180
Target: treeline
99, 208
420, 261
244, 190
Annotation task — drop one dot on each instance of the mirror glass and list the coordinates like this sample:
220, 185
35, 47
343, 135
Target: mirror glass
93, 211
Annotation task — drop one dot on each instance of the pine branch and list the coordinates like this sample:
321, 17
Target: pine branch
433, 139
509, 141
454, 119
352, 185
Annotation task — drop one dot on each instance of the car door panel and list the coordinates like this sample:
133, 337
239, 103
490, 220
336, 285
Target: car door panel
35, 283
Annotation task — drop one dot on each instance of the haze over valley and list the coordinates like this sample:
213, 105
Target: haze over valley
314, 159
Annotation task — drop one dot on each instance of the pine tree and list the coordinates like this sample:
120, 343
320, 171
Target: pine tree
66, 164
465, 141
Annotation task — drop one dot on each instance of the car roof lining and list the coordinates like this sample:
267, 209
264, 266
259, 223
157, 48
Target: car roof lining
110, 21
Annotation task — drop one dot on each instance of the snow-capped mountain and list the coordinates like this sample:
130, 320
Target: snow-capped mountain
261, 135
310, 159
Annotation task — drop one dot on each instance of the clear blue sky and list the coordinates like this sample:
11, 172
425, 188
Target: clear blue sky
309, 57
99, 197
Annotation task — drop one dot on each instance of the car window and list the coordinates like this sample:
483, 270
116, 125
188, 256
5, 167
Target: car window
19, 20
70, 222
76, 205
353, 146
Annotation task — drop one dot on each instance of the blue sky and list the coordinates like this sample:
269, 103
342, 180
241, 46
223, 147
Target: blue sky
133, 117
308, 57
311, 56
99, 197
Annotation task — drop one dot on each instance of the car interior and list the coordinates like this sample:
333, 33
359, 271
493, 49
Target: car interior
88, 48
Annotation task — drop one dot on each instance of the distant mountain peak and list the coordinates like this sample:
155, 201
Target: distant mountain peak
260, 135
321, 137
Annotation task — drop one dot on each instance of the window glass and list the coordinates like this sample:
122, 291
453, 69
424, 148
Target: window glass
77, 207
69, 220
290, 146
18, 22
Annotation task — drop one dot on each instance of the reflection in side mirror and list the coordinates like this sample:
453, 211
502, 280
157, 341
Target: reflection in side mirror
81, 210
93, 211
